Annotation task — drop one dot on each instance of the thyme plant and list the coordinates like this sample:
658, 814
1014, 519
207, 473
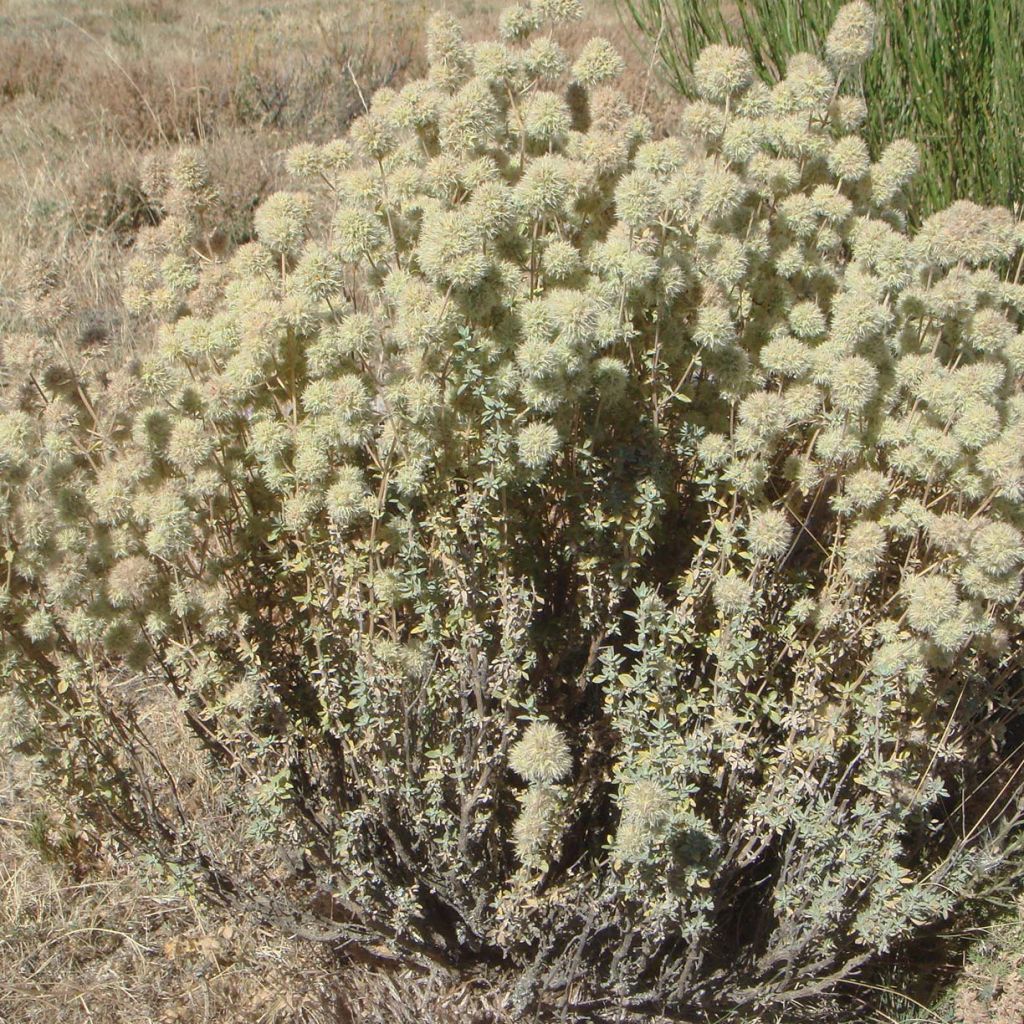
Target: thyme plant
595, 557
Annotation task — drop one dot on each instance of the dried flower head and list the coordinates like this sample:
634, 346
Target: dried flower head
282, 220
131, 581
598, 62
722, 71
852, 38
537, 826
538, 444
541, 755
769, 533
734, 595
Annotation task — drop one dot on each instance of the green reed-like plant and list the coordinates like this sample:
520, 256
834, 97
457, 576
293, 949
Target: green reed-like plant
584, 556
945, 73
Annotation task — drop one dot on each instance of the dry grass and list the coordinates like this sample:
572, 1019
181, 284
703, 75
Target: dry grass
92, 935
86, 91
87, 935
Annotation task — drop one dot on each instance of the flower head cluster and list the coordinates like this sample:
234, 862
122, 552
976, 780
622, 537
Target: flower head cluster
512, 411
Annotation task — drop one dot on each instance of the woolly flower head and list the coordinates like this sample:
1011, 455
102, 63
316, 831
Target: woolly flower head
722, 71
977, 424
15, 430
305, 160
611, 377
989, 331
638, 199
864, 549
335, 156
491, 208
598, 62
769, 533
998, 548
546, 118
170, 522
575, 314
806, 88
895, 169
786, 356
319, 273
866, 488
282, 220
374, 134
1000, 461
179, 273
728, 266
742, 139
967, 233
733, 595
188, 171
848, 113
622, 261
469, 118
357, 233
545, 59
538, 444
831, 205
447, 52
949, 532
852, 38
857, 316
561, 260
764, 414
848, 158
714, 451
800, 215
647, 810
773, 176
537, 825
450, 250
517, 22
715, 328
705, 120
558, 11
344, 498
131, 581
541, 756
807, 320
189, 444
495, 63
39, 626
931, 600
853, 382
647, 804
544, 187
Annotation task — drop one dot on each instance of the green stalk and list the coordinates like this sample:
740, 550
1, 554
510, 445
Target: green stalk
947, 74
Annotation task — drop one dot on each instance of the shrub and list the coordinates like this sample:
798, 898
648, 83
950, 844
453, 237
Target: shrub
593, 557
944, 74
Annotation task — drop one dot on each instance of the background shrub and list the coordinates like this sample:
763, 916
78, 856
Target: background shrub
945, 74
584, 555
